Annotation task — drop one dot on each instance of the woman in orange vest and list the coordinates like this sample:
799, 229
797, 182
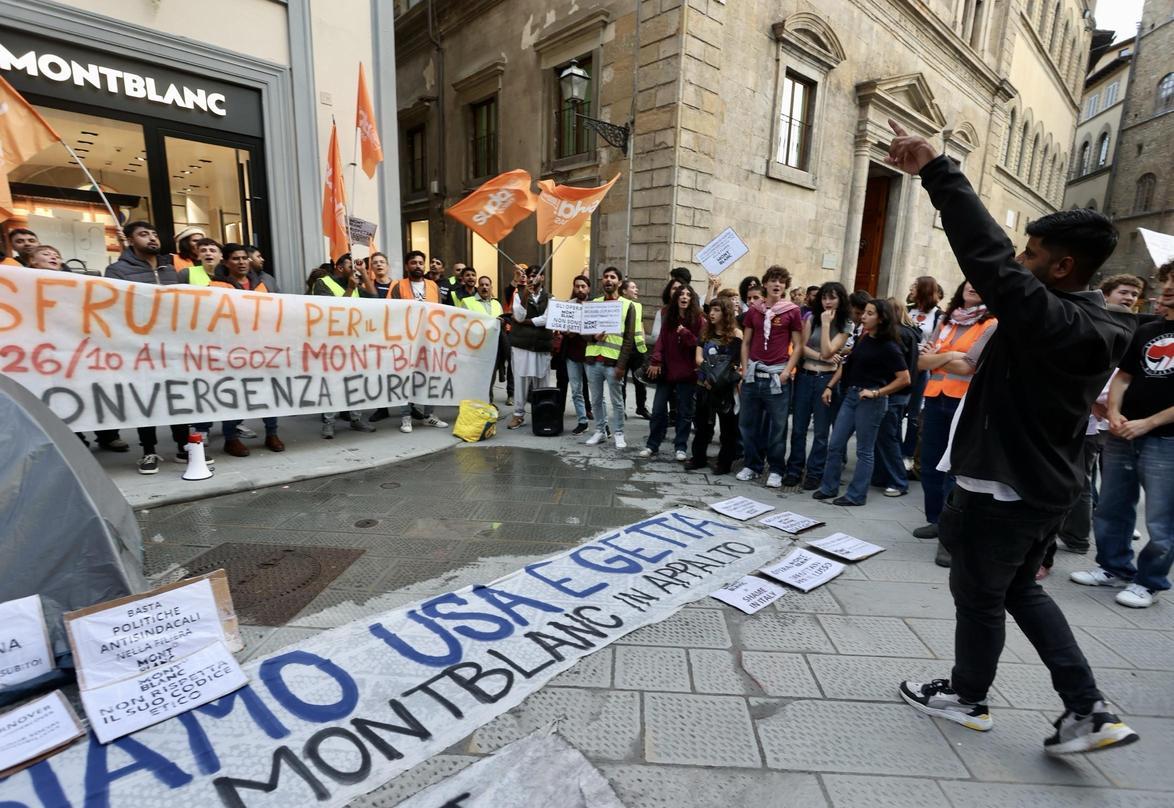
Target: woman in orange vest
950, 356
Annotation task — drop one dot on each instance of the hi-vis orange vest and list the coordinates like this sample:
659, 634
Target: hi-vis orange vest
955, 338
260, 287
403, 291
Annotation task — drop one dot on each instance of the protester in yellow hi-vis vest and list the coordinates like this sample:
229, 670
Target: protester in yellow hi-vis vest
607, 360
343, 281
203, 273
483, 302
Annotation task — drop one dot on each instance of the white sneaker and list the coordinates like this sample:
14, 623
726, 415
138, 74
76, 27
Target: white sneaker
646, 453
908, 463
774, 480
244, 432
620, 442
682, 457
1096, 577
745, 475
1088, 733
595, 439
405, 424
432, 420
1135, 596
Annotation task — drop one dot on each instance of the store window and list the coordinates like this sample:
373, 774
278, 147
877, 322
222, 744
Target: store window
418, 235
209, 189
572, 256
484, 258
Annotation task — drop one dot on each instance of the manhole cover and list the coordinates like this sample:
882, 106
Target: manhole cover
367, 523
389, 485
271, 583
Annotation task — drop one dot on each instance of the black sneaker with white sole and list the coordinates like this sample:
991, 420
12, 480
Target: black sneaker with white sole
149, 464
938, 699
1099, 729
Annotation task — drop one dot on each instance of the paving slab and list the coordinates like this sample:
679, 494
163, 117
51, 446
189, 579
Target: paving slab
699, 730
639, 667
640, 786
780, 674
855, 791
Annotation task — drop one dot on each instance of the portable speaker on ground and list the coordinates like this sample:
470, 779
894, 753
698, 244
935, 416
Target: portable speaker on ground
545, 416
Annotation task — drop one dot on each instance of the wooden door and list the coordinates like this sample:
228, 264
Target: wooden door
872, 234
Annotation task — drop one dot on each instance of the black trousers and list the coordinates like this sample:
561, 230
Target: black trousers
995, 549
148, 440
704, 418
1076, 529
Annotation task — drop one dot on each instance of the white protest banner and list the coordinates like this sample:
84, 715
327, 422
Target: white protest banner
105, 354
603, 317
804, 570
540, 769
741, 508
142, 633
789, 522
128, 705
34, 729
846, 547
749, 593
341, 713
361, 230
722, 252
564, 315
24, 642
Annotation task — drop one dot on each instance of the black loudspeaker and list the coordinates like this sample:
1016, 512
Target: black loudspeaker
545, 417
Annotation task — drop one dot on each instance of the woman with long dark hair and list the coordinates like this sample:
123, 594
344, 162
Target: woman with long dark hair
889, 471
824, 336
718, 362
924, 295
673, 364
873, 370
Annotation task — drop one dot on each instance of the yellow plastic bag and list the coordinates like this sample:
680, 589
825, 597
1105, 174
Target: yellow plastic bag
476, 421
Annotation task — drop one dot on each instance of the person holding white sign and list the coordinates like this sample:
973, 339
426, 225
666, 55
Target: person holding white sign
674, 362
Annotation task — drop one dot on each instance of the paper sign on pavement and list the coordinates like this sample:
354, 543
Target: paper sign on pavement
722, 252
803, 570
34, 729
749, 593
741, 508
847, 547
24, 641
790, 522
128, 705
592, 317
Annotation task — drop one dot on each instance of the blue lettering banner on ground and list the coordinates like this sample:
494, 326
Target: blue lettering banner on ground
342, 713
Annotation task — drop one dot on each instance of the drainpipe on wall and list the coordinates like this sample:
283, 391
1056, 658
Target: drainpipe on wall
632, 144
442, 131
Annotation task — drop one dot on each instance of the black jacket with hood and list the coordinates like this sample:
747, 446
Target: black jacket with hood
129, 267
1025, 413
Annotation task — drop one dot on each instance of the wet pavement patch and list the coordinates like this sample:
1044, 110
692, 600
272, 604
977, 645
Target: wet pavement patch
271, 583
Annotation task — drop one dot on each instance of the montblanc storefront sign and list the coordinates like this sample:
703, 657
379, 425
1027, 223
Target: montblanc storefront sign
136, 81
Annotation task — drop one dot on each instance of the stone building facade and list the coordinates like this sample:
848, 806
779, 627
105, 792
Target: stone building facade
1140, 195
1095, 144
769, 117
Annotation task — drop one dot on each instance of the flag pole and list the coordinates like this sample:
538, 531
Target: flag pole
98, 188
555, 250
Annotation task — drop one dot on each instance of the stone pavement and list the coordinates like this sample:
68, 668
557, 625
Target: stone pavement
794, 706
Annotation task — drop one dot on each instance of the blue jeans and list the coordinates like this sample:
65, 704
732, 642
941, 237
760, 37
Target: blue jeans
757, 403
1127, 467
685, 395
861, 416
913, 409
890, 468
575, 378
230, 428
935, 436
597, 374
809, 388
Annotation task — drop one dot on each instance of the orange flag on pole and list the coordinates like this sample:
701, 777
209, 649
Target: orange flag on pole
563, 209
368, 134
495, 209
23, 133
334, 224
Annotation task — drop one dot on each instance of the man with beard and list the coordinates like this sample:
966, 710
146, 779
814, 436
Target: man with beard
607, 358
530, 342
468, 286
483, 302
417, 287
569, 368
23, 241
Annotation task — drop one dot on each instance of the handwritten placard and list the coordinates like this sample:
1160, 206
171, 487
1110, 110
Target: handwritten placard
846, 547
749, 593
790, 522
361, 230
130, 704
592, 317
722, 252
741, 508
24, 641
34, 729
803, 570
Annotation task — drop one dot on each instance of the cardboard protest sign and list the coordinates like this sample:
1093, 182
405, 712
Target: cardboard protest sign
361, 231
789, 522
846, 547
741, 508
803, 570
721, 253
495, 208
339, 714
592, 317
563, 209
35, 729
107, 354
24, 642
749, 593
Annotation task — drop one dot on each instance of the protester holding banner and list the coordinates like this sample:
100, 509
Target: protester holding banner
607, 359
415, 286
674, 365
568, 363
531, 342
343, 281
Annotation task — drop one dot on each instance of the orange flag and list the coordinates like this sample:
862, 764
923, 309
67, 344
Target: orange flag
495, 209
334, 225
23, 133
365, 122
562, 209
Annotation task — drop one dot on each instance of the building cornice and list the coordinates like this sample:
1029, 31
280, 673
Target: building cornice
573, 28
948, 37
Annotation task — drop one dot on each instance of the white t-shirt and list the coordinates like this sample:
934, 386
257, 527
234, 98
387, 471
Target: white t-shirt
418, 288
925, 320
1000, 491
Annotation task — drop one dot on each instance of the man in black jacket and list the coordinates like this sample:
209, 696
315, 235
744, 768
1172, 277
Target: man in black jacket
1016, 445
